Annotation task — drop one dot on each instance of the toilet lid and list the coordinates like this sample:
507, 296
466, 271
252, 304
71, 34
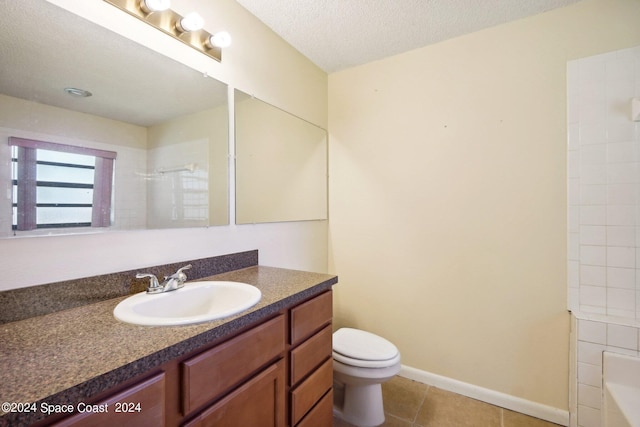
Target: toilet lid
357, 344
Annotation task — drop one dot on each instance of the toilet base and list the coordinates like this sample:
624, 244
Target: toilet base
360, 405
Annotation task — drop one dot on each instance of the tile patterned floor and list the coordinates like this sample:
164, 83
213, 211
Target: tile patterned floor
409, 403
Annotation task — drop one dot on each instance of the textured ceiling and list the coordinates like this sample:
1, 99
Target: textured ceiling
338, 34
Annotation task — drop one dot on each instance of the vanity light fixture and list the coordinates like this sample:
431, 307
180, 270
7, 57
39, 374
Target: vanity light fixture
188, 29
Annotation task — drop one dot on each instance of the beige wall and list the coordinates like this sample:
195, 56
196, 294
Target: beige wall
448, 198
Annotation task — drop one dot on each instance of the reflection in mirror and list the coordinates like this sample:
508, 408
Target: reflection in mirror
60, 186
281, 164
165, 124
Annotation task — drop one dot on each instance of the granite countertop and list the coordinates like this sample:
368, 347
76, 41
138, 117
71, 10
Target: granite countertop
69, 356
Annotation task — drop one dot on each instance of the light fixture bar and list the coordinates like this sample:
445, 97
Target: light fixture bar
168, 22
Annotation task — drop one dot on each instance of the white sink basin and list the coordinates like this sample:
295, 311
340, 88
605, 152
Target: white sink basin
196, 302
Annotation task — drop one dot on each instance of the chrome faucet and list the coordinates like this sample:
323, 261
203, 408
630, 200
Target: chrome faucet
170, 283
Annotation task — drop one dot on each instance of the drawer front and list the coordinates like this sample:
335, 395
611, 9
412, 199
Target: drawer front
309, 317
305, 396
216, 371
310, 354
140, 405
321, 414
258, 402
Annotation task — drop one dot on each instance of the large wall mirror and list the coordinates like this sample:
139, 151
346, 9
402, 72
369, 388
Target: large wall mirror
162, 125
281, 164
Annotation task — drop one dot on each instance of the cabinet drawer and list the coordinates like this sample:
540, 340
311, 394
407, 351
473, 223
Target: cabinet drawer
311, 316
258, 402
305, 396
310, 354
216, 371
140, 405
321, 414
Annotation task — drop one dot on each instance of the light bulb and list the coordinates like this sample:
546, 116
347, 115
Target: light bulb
191, 22
150, 6
220, 39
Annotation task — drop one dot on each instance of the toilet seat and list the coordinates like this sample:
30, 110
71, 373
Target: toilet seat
363, 349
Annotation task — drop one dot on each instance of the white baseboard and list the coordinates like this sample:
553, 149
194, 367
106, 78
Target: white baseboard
503, 400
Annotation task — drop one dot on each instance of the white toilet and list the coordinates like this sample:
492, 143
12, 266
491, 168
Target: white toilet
362, 361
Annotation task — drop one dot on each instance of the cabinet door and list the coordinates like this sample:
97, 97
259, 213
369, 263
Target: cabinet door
139, 406
310, 354
213, 373
311, 316
321, 415
306, 395
258, 402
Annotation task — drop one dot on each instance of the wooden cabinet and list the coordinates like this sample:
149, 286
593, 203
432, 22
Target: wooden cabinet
278, 373
258, 402
309, 392
216, 371
140, 405
321, 414
311, 316
310, 354
311, 363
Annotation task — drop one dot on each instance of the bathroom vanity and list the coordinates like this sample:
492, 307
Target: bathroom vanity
270, 365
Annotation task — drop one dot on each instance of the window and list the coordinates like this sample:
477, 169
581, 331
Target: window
58, 186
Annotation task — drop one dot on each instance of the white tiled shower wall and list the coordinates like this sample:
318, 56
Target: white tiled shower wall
603, 216
594, 337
